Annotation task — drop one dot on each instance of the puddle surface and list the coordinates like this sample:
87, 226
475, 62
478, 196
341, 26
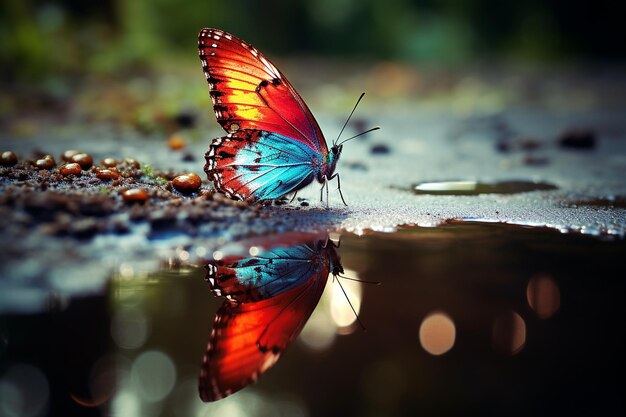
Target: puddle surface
477, 188
469, 319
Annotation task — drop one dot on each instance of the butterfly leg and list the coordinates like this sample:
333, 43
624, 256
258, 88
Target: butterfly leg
339, 188
295, 193
324, 185
327, 191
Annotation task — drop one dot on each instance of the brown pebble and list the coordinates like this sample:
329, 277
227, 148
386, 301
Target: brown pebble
47, 162
108, 162
107, 174
70, 169
135, 195
529, 144
8, 158
187, 183
133, 163
176, 142
67, 155
83, 159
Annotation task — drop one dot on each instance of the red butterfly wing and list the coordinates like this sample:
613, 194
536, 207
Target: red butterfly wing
248, 338
249, 92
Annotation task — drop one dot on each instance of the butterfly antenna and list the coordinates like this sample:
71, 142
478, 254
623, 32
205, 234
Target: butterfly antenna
360, 134
359, 280
350, 303
346, 123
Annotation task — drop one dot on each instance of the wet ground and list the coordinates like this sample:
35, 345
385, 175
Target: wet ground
495, 226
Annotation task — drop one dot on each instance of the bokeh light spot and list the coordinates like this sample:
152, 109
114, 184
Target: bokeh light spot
509, 333
543, 295
153, 376
437, 333
319, 332
24, 391
129, 328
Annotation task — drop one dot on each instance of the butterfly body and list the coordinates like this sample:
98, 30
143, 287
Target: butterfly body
274, 146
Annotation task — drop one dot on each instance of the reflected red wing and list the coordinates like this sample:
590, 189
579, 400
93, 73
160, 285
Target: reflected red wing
248, 338
249, 92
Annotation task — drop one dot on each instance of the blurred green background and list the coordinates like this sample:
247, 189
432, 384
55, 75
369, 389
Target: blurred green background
43, 38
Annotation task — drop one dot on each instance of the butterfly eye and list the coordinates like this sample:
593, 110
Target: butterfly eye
334, 150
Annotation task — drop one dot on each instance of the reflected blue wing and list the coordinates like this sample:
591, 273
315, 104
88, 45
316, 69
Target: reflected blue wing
269, 274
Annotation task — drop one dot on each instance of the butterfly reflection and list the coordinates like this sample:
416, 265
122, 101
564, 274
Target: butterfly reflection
269, 298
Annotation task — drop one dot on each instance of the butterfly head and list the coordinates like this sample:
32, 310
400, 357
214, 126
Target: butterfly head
333, 156
330, 163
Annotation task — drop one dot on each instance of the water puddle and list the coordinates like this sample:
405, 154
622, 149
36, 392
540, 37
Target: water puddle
477, 188
469, 319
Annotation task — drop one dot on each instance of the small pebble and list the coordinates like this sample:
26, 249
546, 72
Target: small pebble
132, 163
578, 139
503, 146
83, 159
47, 162
379, 149
70, 169
528, 144
135, 195
108, 162
187, 183
176, 142
8, 158
107, 174
533, 160
185, 119
67, 155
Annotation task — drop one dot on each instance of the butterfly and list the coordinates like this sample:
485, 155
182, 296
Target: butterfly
269, 298
274, 146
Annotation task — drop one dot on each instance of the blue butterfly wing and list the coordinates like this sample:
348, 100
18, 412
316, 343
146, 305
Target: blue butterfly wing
260, 165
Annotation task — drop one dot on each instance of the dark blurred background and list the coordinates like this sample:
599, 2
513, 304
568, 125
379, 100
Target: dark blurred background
43, 38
